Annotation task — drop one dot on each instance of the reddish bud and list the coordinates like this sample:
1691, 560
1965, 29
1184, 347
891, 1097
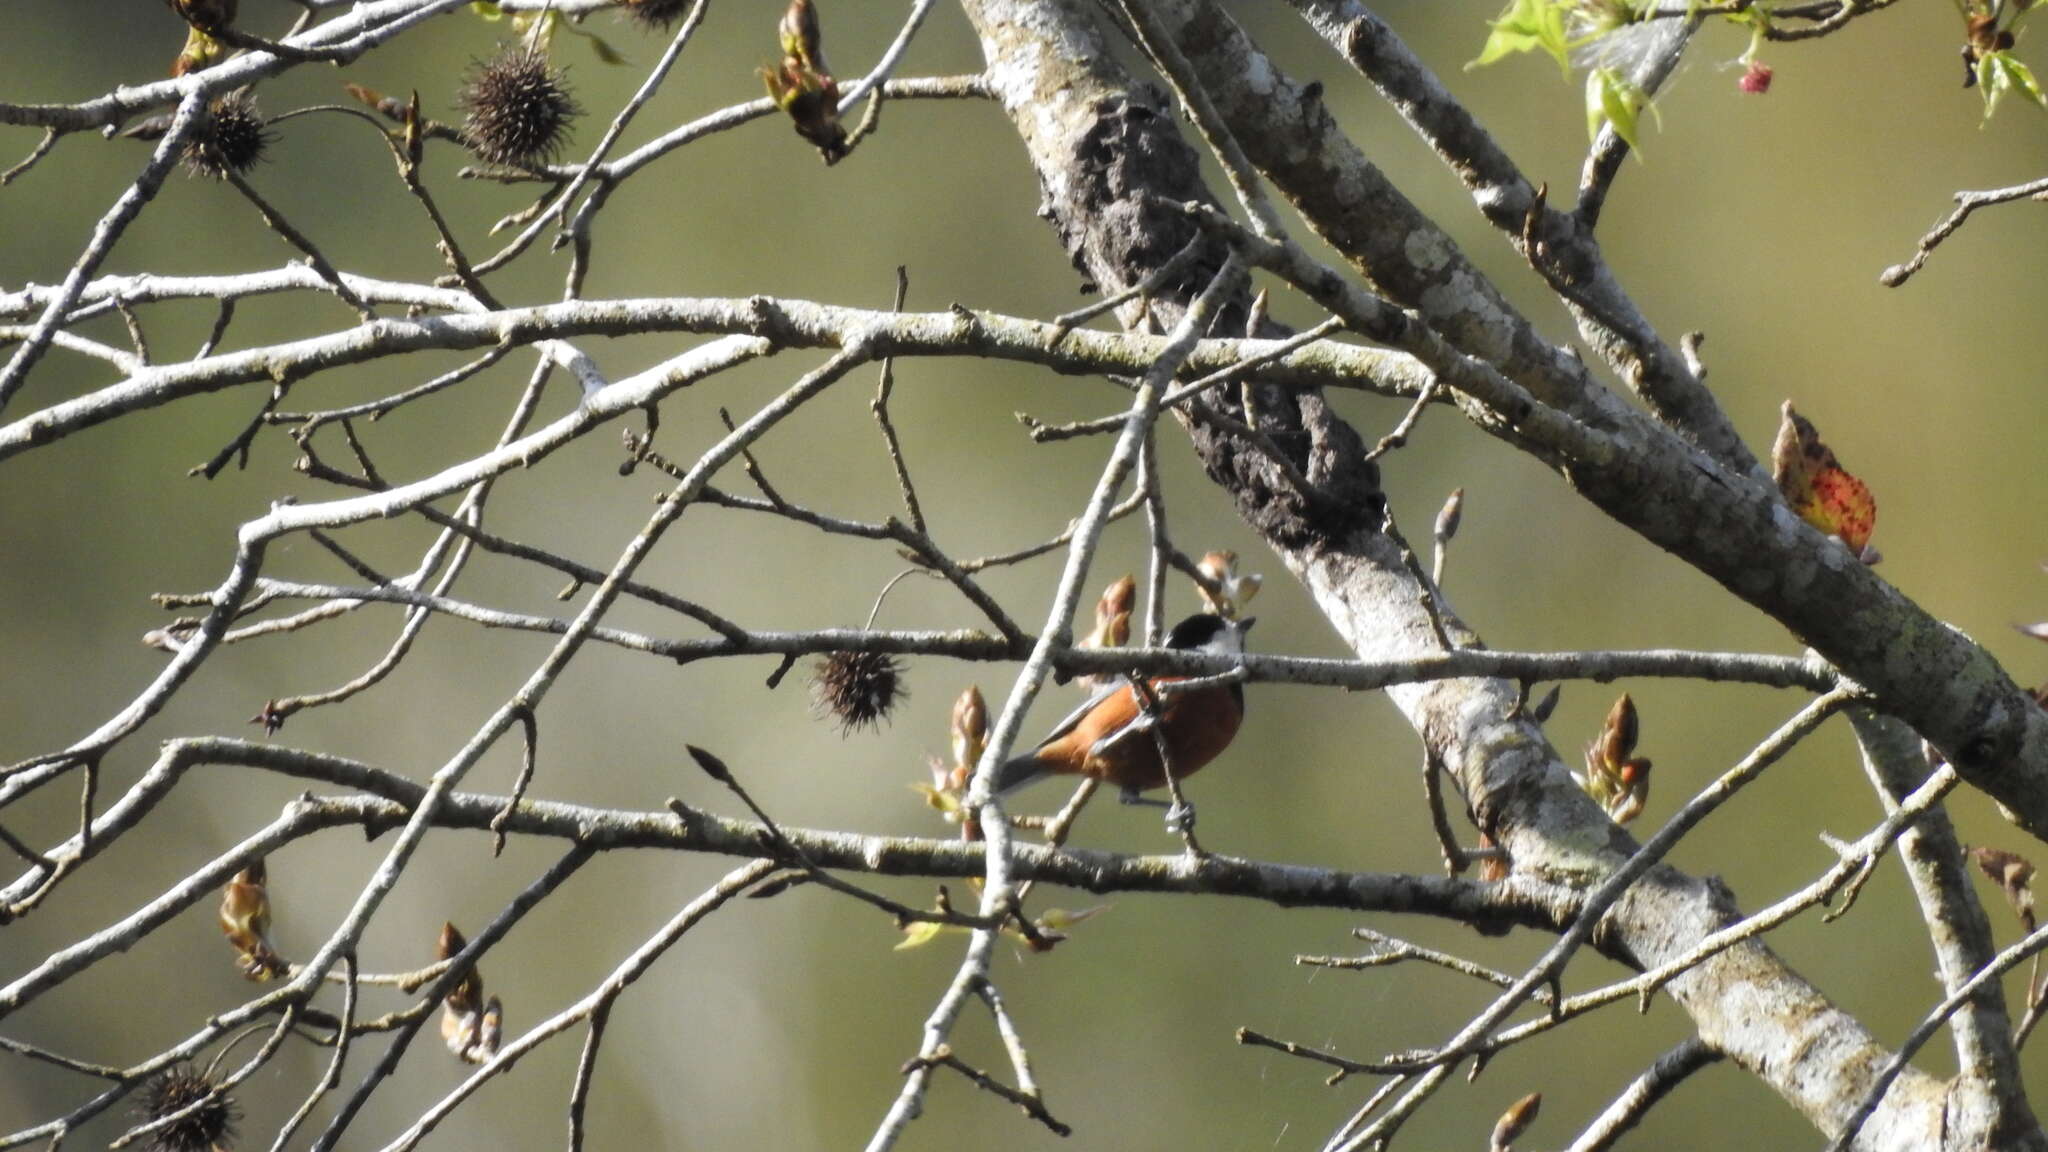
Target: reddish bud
2015, 875
1233, 591
970, 730
245, 919
1515, 1121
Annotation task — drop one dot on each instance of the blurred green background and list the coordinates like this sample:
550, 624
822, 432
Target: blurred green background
1761, 220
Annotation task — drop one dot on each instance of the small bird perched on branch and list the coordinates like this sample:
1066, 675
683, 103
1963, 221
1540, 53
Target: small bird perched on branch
1110, 737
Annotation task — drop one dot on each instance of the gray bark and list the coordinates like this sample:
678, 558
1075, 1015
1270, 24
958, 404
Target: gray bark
1111, 164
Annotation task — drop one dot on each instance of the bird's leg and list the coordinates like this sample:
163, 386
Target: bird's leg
1130, 796
1180, 815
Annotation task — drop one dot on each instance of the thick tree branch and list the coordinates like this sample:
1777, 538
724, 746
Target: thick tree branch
1066, 95
1731, 524
1989, 1100
782, 323
1564, 246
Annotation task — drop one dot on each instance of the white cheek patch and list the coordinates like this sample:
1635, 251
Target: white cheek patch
1227, 643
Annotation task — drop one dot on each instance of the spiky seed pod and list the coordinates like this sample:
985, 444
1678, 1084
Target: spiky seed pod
209, 15
208, 1128
858, 689
517, 109
232, 139
656, 13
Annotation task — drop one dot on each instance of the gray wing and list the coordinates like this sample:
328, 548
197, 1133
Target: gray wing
1073, 718
1141, 723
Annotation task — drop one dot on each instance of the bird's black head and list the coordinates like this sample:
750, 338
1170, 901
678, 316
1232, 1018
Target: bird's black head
1204, 630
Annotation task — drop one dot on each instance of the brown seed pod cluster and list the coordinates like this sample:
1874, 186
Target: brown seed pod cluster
471, 1026
206, 15
858, 689
209, 1127
245, 919
232, 140
656, 13
517, 109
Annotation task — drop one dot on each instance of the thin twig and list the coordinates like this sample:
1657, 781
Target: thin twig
1345, 1068
586, 1066
331, 1079
1068, 321
529, 760
1966, 203
457, 967
1668, 1072
1389, 951
1033, 1106
1398, 438
2001, 964
608, 991
880, 407
1160, 547
297, 239
997, 892
1426, 591
184, 122
1598, 902
1455, 858
41, 150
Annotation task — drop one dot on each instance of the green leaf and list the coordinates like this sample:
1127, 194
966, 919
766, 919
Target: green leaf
1611, 99
919, 934
1059, 919
1526, 26
598, 44
1999, 73
1758, 21
2023, 79
488, 9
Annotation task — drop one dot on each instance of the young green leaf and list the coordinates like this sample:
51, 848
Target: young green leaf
1611, 99
1999, 73
1526, 26
918, 934
606, 54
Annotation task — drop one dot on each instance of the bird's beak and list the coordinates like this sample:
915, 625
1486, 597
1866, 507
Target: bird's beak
1245, 625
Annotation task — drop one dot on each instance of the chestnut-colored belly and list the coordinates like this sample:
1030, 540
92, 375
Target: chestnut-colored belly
1198, 726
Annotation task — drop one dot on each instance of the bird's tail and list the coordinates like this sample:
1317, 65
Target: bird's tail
1019, 771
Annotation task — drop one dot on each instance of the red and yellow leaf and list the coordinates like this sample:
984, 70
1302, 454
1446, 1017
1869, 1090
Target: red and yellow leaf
1815, 484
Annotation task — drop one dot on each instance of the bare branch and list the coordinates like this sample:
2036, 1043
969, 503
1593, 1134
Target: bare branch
1668, 1072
